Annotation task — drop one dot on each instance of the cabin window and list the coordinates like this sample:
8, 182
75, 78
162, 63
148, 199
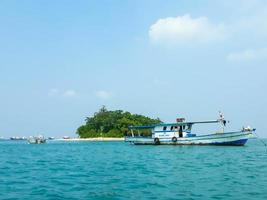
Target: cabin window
165, 128
171, 128
188, 128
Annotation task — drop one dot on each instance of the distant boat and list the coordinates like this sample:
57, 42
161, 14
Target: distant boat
18, 138
36, 140
179, 133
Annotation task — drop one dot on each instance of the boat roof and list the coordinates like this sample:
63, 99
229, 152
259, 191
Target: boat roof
173, 124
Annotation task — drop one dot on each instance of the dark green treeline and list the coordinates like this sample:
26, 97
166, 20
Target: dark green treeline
106, 123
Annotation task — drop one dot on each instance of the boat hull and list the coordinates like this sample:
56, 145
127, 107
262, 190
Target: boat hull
232, 143
230, 139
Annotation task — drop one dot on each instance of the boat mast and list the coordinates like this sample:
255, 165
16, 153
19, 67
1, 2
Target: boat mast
222, 120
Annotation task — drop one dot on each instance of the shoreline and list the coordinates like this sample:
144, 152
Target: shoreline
99, 139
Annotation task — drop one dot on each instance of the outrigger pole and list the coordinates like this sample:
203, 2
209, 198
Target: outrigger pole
173, 124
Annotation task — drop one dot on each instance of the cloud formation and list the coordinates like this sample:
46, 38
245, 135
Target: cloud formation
102, 94
248, 55
66, 93
70, 93
53, 92
183, 29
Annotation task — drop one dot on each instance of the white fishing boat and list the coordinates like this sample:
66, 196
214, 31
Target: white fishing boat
180, 133
36, 139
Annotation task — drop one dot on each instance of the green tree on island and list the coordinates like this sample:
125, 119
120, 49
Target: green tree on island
107, 123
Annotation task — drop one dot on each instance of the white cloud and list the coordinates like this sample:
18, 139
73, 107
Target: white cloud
103, 94
182, 29
53, 92
248, 55
70, 93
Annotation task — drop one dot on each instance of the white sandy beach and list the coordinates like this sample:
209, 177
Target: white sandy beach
100, 139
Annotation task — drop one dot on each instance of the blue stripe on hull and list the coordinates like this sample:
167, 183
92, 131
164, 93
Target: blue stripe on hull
235, 143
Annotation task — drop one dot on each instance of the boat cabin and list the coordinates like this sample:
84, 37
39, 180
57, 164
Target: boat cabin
172, 130
180, 129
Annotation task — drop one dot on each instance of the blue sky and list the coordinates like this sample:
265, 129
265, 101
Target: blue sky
62, 60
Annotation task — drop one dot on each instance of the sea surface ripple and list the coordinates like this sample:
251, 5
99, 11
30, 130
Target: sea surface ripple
118, 170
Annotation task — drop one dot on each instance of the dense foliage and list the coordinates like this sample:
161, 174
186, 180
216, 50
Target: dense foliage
107, 123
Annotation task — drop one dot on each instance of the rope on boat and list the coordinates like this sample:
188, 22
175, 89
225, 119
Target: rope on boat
261, 140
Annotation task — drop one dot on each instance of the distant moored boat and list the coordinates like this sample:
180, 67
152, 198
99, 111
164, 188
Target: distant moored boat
18, 138
36, 139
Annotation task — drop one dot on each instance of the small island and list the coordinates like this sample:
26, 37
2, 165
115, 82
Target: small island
113, 124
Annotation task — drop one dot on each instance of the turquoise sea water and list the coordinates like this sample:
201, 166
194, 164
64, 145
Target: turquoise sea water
118, 170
